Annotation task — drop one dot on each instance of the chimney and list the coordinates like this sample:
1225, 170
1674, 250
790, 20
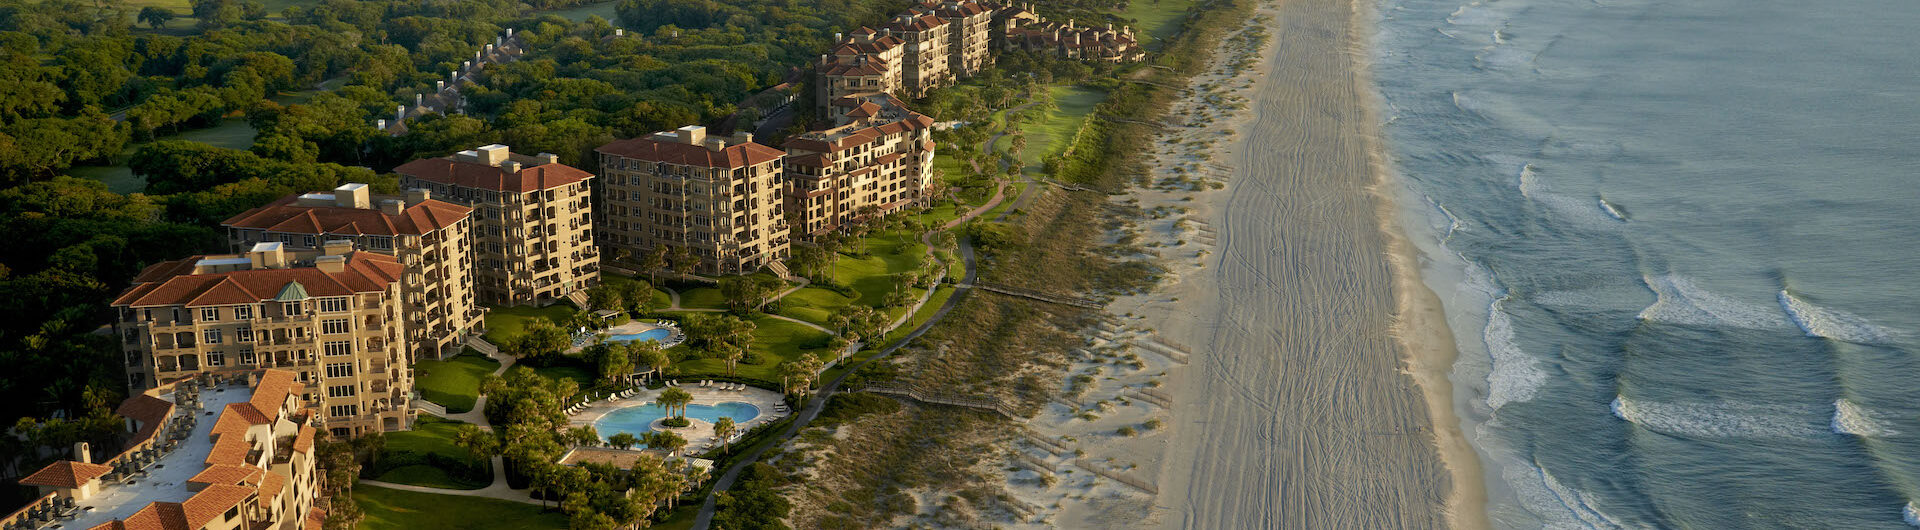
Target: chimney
509, 32
330, 264
351, 195
837, 37
419, 99
418, 195
716, 144
1076, 38
380, 124
453, 77
339, 247
548, 158
489, 49
741, 137
267, 255
399, 113
466, 66
617, 32
392, 206
439, 86
476, 55
510, 166
497, 40
691, 134
82, 453
492, 154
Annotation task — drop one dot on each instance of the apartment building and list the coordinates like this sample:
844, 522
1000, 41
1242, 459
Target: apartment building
879, 154
969, 34
1022, 28
929, 46
250, 467
336, 323
431, 238
532, 221
719, 196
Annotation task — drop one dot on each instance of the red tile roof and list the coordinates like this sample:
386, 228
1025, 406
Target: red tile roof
304, 441
229, 450
229, 474
477, 175
173, 282
150, 412
65, 474
288, 216
732, 157
316, 517
919, 23
271, 486
156, 516
271, 393
210, 503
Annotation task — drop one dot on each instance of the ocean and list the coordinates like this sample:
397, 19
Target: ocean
1677, 243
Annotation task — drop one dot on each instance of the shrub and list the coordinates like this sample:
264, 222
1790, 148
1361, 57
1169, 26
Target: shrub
676, 422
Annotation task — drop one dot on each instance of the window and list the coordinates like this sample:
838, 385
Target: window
306, 241
341, 391
243, 312
231, 513
340, 370
216, 359
290, 309
246, 356
212, 336
210, 314
333, 305
343, 410
244, 334
339, 347
382, 243
334, 326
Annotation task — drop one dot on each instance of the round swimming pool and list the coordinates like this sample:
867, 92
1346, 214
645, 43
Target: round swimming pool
639, 418
655, 334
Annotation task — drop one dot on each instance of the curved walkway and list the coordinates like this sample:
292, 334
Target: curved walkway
498, 489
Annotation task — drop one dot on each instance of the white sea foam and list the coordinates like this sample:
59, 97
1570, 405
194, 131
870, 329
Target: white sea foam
1832, 324
1911, 514
1579, 503
1717, 420
1678, 300
1516, 376
1556, 505
1851, 418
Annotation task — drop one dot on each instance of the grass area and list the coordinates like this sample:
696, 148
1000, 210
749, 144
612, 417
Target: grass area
506, 322
233, 133
702, 298
1050, 135
389, 508
580, 13
813, 304
660, 298
940, 296
1156, 20
569, 367
430, 436
774, 341
679, 519
453, 383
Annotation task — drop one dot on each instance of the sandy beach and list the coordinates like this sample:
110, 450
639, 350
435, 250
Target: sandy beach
1295, 360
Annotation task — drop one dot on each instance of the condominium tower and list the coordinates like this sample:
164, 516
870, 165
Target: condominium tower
431, 238
532, 233
335, 324
879, 154
720, 197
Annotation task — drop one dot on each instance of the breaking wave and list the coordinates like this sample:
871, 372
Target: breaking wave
1851, 418
1677, 300
1831, 324
1717, 420
1516, 376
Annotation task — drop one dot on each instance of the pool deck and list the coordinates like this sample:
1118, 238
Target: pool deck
760, 398
581, 342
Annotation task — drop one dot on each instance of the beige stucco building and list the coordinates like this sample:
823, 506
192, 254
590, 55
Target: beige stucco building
532, 221
719, 196
879, 154
1022, 28
431, 238
969, 34
929, 46
230, 454
334, 322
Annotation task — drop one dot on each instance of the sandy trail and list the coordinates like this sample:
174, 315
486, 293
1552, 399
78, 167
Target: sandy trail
1298, 412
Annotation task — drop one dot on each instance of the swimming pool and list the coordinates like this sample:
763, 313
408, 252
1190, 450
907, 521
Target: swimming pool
655, 334
639, 418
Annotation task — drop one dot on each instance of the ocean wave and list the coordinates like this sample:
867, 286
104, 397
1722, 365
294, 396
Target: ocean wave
1579, 503
1717, 420
1832, 324
1677, 300
1851, 418
1911, 514
1516, 376
1613, 210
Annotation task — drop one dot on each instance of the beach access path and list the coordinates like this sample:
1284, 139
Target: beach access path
1296, 413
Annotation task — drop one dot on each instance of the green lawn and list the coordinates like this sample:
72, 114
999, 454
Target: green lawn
940, 296
388, 508
430, 435
1051, 134
569, 367
774, 341
702, 298
660, 298
813, 304
505, 322
453, 383
1155, 20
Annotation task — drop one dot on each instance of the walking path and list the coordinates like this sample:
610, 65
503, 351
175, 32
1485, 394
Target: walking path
498, 489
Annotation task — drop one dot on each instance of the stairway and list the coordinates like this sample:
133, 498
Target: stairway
780, 269
579, 298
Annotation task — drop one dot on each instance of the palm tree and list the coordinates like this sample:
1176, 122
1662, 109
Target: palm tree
723, 429
674, 399
655, 260
732, 354
625, 440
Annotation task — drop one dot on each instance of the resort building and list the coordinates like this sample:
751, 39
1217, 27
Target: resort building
879, 154
1021, 28
970, 24
532, 223
866, 63
431, 238
206, 453
930, 46
924, 45
720, 197
335, 324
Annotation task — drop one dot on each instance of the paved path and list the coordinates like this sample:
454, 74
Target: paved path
498, 489
806, 415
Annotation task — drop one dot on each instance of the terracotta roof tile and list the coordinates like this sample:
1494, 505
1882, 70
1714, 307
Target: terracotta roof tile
271, 394
229, 474
157, 516
211, 503
229, 450
150, 412
271, 486
168, 283
316, 517
65, 474
304, 441
288, 216
732, 157
477, 175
